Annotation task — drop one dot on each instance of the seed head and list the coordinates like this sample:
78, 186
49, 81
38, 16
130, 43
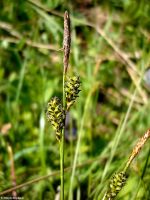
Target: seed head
116, 184
56, 115
72, 90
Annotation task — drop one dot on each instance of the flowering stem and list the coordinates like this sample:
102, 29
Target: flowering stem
66, 48
62, 165
62, 145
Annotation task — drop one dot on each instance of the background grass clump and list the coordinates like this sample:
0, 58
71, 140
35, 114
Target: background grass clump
110, 51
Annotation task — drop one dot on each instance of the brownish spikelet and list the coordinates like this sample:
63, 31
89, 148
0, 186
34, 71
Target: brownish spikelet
67, 40
138, 147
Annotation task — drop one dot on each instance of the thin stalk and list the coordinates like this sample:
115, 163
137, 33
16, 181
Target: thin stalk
79, 140
66, 48
77, 150
62, 146
62, 165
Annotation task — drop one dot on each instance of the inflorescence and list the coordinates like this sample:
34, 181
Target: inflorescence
56, 114
116, 184
72, 90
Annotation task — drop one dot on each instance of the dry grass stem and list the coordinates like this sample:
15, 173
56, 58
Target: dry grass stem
31, 43
56, 173
38, 4
8, 27
131, 67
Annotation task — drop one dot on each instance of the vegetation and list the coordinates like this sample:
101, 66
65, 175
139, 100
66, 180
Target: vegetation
110, 52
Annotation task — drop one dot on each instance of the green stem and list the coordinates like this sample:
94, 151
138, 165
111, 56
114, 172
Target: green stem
62, 165
62, 144
79, 141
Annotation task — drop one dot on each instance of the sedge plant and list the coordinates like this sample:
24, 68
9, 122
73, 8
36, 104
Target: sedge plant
57, 109
119, 179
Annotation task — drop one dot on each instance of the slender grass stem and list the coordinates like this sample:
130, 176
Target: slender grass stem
62, 144
77, 151
62, 165
66, 47
79, 140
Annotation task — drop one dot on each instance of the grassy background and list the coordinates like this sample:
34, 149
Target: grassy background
110, 51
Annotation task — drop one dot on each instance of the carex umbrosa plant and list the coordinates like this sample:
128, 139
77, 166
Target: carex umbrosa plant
119, 179
57, 109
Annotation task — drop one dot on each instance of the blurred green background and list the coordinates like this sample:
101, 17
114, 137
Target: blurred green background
110, 51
